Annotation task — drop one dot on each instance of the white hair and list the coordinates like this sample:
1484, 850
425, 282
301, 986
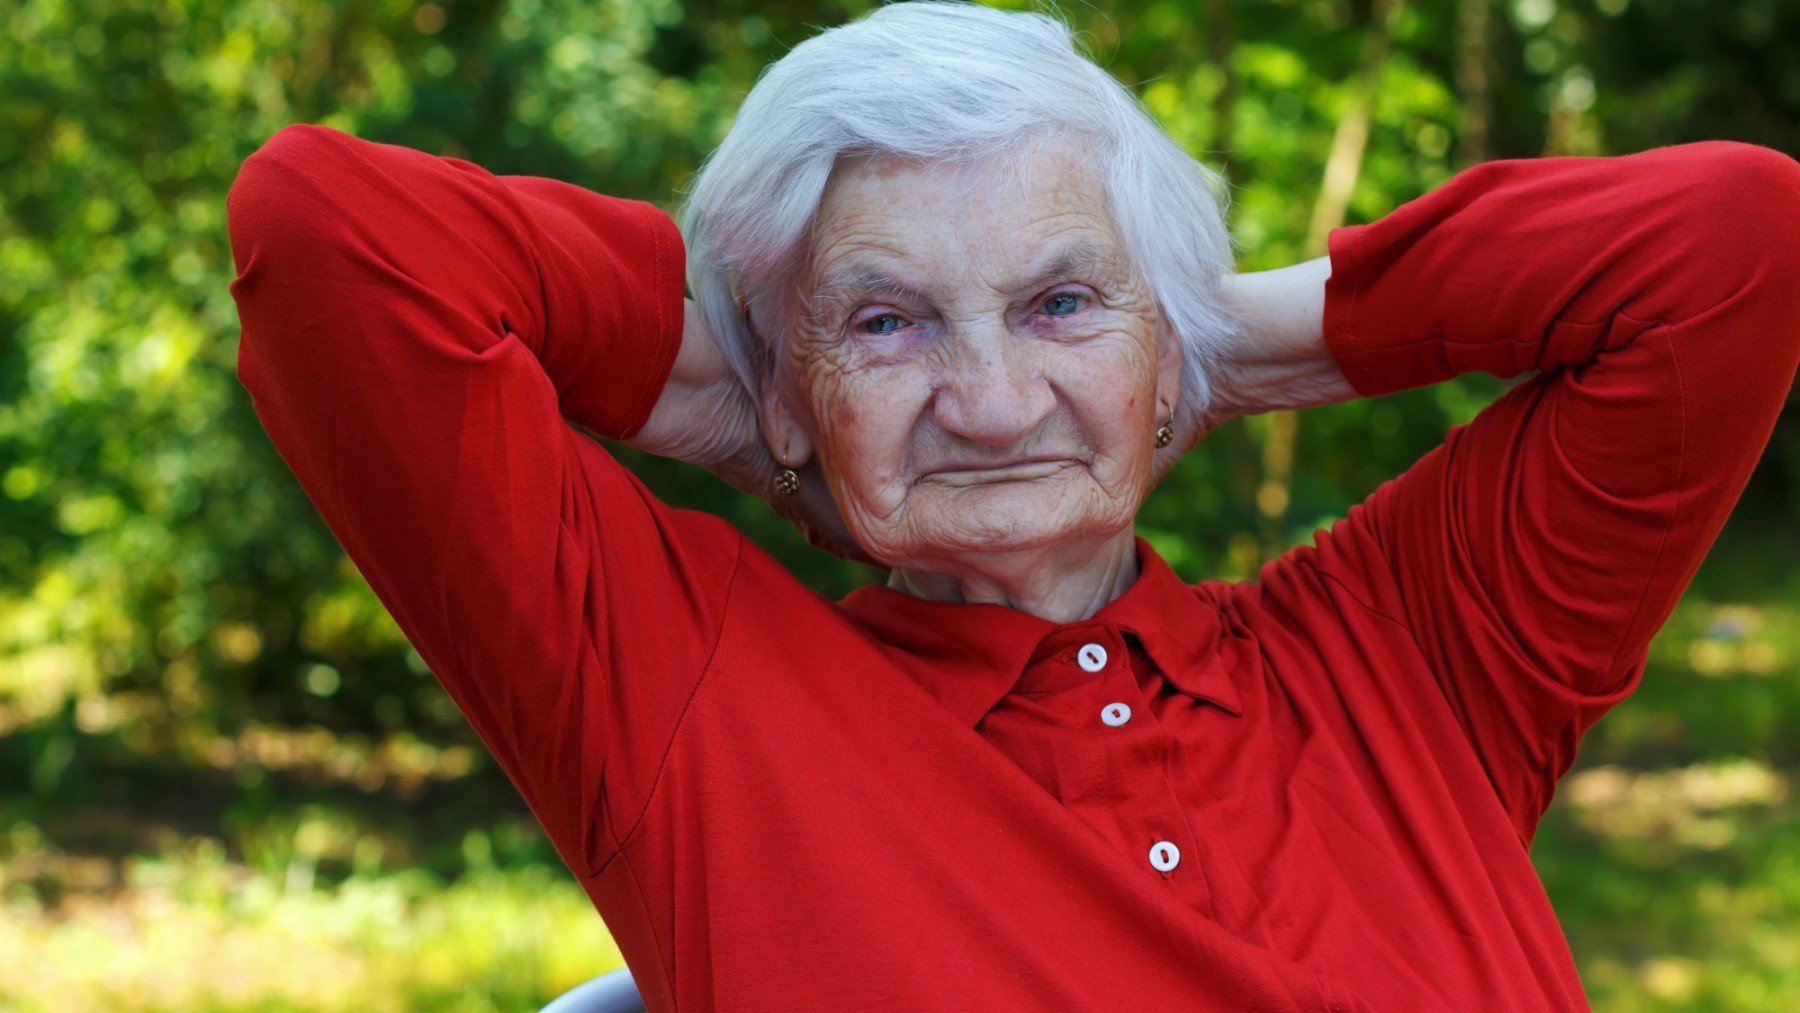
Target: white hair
953, 82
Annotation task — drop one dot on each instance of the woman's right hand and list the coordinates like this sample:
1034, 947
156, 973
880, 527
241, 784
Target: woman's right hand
704, 416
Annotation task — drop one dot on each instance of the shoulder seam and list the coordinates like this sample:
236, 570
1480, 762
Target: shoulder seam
1681, 486
1531, 788
621, 840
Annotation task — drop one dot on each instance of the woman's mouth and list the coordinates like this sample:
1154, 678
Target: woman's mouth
979, 473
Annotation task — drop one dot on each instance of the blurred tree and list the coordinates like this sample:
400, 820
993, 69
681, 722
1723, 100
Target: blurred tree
162, 578
157, 553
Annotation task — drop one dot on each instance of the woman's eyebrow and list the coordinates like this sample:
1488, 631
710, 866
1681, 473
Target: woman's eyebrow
856, 278
1081, 257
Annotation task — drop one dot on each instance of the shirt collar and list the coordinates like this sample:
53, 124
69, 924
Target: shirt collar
971, 656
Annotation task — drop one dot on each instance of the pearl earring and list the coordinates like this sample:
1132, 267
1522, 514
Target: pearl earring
787, 481
1165, 434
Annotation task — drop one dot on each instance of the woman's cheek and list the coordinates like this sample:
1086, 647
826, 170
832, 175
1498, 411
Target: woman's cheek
864, 427
1112, 372
1113, 398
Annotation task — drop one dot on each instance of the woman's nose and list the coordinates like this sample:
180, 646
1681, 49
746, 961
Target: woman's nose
991, 389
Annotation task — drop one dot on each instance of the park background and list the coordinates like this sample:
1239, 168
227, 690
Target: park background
227, 782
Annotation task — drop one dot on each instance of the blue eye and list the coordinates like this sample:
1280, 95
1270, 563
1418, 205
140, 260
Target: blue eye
1062, 304
883, 330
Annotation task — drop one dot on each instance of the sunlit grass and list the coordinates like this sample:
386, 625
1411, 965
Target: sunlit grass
1694, 924
194, 931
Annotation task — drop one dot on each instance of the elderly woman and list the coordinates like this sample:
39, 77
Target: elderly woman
957, 304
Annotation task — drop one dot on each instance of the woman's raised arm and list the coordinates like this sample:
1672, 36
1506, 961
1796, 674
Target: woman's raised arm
1535, 553
417, 335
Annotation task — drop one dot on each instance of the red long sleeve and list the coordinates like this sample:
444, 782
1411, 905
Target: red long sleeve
416, 332
1536, 552
1255, 795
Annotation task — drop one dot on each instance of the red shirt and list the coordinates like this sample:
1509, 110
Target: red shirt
1314, 790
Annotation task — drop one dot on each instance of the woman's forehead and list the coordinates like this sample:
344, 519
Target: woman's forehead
884, 217
1047, 174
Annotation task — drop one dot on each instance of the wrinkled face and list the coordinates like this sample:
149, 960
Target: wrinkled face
975, 360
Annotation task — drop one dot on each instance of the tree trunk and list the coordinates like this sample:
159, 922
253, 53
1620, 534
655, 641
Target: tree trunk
1342, 168
1219, 47
1474, 81
1352, 136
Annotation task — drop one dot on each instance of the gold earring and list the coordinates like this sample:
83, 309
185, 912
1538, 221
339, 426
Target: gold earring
1165, 434
787, 481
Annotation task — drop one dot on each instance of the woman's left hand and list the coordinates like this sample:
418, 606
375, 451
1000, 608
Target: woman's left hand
1277, 361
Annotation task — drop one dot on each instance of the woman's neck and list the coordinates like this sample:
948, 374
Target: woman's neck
1062, 585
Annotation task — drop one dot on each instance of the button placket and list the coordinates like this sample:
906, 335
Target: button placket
1093, 657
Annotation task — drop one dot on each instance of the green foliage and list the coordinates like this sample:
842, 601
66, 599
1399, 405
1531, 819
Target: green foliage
177, 625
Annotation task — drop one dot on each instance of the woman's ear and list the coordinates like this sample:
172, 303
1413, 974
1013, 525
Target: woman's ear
778, 406
788, 439
1168, 371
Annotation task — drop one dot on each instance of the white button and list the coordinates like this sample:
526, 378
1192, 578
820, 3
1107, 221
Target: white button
1091, 658
1115, 714
1164, 855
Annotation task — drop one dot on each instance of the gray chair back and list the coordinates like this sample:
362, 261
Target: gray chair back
613, 992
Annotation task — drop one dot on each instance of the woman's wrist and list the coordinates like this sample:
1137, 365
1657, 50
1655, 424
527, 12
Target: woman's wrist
1280, 360
703, 415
